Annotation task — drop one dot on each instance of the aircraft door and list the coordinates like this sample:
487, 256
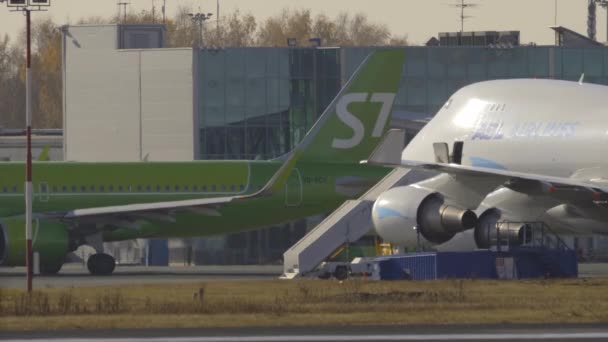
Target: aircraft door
43, 192
293, 189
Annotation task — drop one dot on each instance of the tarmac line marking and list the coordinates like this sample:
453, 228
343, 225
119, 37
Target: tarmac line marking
339, 338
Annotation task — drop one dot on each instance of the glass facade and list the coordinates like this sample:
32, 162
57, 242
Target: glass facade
257, 103
432, 74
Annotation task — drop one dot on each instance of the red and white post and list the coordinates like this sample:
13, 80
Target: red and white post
28, 166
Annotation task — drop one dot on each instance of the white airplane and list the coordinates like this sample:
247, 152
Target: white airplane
521, 151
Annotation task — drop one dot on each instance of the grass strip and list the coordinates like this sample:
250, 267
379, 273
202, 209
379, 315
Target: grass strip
306, 303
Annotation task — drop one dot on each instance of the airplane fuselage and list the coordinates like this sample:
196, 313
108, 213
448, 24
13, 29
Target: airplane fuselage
542, 127
313, 188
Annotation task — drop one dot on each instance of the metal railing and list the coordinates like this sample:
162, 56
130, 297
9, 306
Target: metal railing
531, 234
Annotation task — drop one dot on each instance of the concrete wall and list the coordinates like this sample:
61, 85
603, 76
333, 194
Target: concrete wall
124, 105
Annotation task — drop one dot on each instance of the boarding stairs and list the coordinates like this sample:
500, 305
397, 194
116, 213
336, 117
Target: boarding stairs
541, 251
347, 224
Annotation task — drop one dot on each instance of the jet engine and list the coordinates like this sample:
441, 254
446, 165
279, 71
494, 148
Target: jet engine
50, 239
401, 213
492, 228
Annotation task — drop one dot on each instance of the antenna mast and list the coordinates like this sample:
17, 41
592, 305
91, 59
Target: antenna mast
464, 5
124, 5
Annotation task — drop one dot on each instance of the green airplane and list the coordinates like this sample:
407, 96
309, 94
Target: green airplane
90, 203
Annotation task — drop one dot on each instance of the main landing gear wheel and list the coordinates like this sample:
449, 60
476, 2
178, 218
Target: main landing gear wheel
101, 264
50, 269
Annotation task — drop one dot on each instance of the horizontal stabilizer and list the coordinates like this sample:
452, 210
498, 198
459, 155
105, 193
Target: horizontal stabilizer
389, 150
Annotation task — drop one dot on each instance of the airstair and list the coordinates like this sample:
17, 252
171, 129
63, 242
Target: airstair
542, 253
345, 225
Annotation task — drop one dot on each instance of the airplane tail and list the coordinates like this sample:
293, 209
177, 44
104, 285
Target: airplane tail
354, 123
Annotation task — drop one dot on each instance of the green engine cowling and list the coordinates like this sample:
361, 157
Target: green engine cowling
50, 239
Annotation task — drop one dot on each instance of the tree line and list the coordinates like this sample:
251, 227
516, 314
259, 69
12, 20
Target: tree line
235, 29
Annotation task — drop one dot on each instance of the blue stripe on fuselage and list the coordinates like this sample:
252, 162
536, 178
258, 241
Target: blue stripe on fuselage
489, 164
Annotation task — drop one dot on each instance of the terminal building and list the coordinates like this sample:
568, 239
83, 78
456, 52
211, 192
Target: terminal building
127, 98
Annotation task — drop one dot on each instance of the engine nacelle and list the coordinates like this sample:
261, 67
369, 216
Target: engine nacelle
400, 213
50, 239
491, 228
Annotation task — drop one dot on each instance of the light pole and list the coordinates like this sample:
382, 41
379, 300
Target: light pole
198, 19
27, 7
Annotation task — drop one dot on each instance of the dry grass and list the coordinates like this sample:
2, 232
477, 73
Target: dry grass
305, 303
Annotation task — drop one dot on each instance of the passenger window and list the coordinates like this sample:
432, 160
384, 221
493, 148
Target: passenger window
139, 188
92, 188
83, 188
15, 189
185, 188
120, 188
223, 187
64, 188
157, 187
102, 188
4, 189
111, 188
148, 188
167, 188
54, 188
232, 187
241, 187
213, 187
177, 188
195, 188
204, 188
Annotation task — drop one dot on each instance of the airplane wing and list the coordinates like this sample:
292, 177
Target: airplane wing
564, 189
165, 210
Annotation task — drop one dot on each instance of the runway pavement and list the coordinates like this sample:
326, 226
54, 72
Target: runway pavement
74, 275
351, 334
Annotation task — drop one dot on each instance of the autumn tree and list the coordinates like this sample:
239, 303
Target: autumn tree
12, 92
47, 77
344, 30
234, 30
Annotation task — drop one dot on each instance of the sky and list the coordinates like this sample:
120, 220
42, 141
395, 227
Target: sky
419, 19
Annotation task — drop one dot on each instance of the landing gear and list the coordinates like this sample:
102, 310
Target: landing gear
50, 269
101, 264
